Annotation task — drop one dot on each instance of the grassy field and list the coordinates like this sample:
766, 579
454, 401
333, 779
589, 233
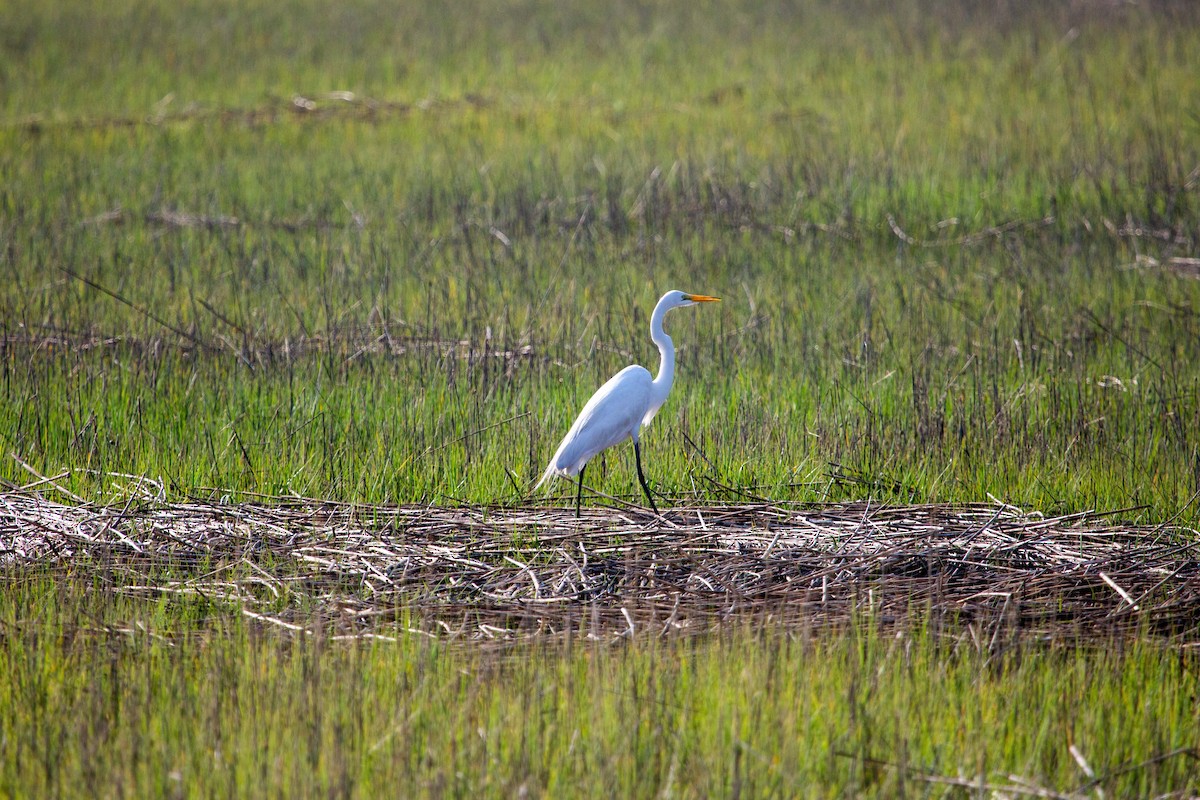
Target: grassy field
163, 700
376, 252
945, 248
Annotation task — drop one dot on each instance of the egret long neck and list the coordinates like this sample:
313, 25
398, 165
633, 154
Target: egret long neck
666, 348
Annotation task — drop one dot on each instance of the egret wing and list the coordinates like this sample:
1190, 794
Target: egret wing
612, 415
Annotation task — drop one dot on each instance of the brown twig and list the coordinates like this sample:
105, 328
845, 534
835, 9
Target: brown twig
517, 572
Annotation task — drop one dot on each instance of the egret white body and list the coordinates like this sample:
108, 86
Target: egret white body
619, 408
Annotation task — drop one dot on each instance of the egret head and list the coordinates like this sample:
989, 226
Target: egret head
678, 299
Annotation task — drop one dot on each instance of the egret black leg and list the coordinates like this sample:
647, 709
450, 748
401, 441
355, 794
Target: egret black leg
579, 493
637, 454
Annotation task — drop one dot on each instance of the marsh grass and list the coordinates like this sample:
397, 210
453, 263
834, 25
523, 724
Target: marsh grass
110, 697
377, 253
945, 247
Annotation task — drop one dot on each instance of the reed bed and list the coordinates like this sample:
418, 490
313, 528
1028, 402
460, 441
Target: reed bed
508, 573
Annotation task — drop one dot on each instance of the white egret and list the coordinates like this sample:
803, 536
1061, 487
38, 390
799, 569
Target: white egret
619, 408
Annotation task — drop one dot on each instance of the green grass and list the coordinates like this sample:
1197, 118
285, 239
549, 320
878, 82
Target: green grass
548, 189
105, 696
952, 241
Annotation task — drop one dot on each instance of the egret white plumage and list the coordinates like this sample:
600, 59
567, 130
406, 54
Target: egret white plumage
619, 408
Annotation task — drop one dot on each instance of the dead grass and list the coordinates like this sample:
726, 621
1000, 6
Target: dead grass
498, 574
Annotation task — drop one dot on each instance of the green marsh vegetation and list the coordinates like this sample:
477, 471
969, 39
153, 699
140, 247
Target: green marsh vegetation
173, 699
382, 253
1034, 342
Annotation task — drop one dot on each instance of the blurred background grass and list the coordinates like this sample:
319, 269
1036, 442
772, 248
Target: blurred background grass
384, 252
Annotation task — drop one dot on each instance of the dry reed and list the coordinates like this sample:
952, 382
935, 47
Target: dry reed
504, 573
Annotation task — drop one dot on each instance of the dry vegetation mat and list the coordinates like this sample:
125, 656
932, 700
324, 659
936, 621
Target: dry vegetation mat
496, 573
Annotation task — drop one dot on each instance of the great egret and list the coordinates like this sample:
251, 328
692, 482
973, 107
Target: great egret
619, 408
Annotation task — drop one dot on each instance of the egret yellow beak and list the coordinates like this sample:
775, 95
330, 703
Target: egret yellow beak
701, 298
